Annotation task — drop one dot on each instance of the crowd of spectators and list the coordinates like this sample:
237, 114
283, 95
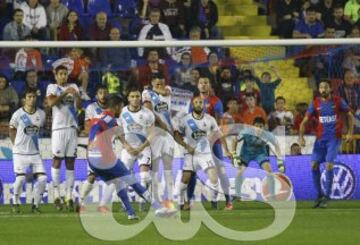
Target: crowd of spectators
244, 95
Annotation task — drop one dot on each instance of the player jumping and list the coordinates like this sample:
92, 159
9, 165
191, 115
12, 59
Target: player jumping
24, 130
327, 109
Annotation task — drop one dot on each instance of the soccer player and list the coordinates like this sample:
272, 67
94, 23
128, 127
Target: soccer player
196, 128
94, 112
137, 121
327, 109
24, 130
104, 163
255, 141
214, 107
65, 101
158, 99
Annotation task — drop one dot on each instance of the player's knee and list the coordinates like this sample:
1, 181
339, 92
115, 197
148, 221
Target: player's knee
69, 163
315, 166
213, 176
57, 162
20, 177
186, 176
41, 178
329, 166
145, 177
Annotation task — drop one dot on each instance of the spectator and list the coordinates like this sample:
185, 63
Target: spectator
326, 9
267, 89
350, 90
35, 19
183, 71
205, 15
56, 13
351, 10
144, 73
281, 117
355, 32
199, 55
100, 30
193, 84
173, 13
301, 109
156, 31
352, 61
295, 150
253, 111
287, 13
249, 89
32, 81
339, 22
115, 59
227, 84
16, 30
9, 100
232, 114
70, 30
27, 59
309, 27
212, 70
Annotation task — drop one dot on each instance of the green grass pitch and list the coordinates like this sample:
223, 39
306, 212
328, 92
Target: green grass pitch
338, 224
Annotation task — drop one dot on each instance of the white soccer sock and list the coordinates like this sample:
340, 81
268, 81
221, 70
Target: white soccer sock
214, 191
155, 186
169, 183
39, 189
55, 175
107, 194
144, 181
69, 184
182, 191
18, 184
85, 190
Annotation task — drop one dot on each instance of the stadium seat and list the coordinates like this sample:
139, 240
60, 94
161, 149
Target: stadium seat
75, 5
126, 8
95, 6
19, 86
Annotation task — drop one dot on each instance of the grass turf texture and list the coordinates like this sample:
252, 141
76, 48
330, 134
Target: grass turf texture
338, 224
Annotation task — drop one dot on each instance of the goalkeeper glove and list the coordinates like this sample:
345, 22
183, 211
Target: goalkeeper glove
281, 166
235, 159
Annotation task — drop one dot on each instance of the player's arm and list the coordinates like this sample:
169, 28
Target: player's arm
180, 140
12, 134
302, 130
54, 100
350, 131
158, 121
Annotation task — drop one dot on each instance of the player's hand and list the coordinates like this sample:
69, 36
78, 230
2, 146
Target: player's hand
130, 150
348, 138
302, 142
71, 91
190, 149
228, 154
235, 159
281, 166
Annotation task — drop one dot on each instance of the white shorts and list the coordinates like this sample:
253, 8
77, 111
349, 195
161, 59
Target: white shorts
144, 158
161, 145
198, 161
64, 142
22, 162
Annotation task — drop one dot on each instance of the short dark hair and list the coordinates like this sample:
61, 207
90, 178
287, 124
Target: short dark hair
338, 6
259, 120
265, 73
294, 144
155, 10
113, 100
29, 91
280, 98
310, 9
16, 11
132, 88
101, 86
325, 80
60, 68
250, 95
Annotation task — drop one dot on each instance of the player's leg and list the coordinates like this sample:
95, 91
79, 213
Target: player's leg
270, 178
40, 184
317, 157
239, 180
20, 166
187, 176
70, 180
190, 190
154, 178
145, 163
106, 198
121, 189
214, 185
224, 180
58, 151
168, 175
86, 188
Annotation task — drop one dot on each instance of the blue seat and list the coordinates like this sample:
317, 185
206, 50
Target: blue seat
19, 86
75, 5
96, 6
126, 8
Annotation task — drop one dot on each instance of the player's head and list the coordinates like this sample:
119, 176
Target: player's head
325, 88
114, 102
259, 122
232, 105
280, 103
157, 81
250, 100
204, 85
101, 93
61, 74
197, 104
134, 97
30, 97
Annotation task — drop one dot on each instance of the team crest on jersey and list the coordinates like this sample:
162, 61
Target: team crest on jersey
198, 134
31, 130
134, 127
161, 107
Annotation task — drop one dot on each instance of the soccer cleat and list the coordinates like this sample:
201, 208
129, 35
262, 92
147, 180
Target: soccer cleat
58, 204
103, 209
229, 206
186, 206
15, 209
69, 205
35, 209
161, 212
142, 207
81, 209
133, 217
323, 202
214, 205
171, 211
317, 202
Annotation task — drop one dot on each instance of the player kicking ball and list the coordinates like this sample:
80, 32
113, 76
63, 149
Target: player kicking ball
104, 163
327, 110
24, 130
255, 141
193, 132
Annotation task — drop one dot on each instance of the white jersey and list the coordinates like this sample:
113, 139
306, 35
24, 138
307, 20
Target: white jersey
136, 124
93, 111
64, 115
161, 105
196, 131
27, 131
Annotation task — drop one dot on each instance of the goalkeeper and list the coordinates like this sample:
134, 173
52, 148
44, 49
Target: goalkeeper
255, 142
